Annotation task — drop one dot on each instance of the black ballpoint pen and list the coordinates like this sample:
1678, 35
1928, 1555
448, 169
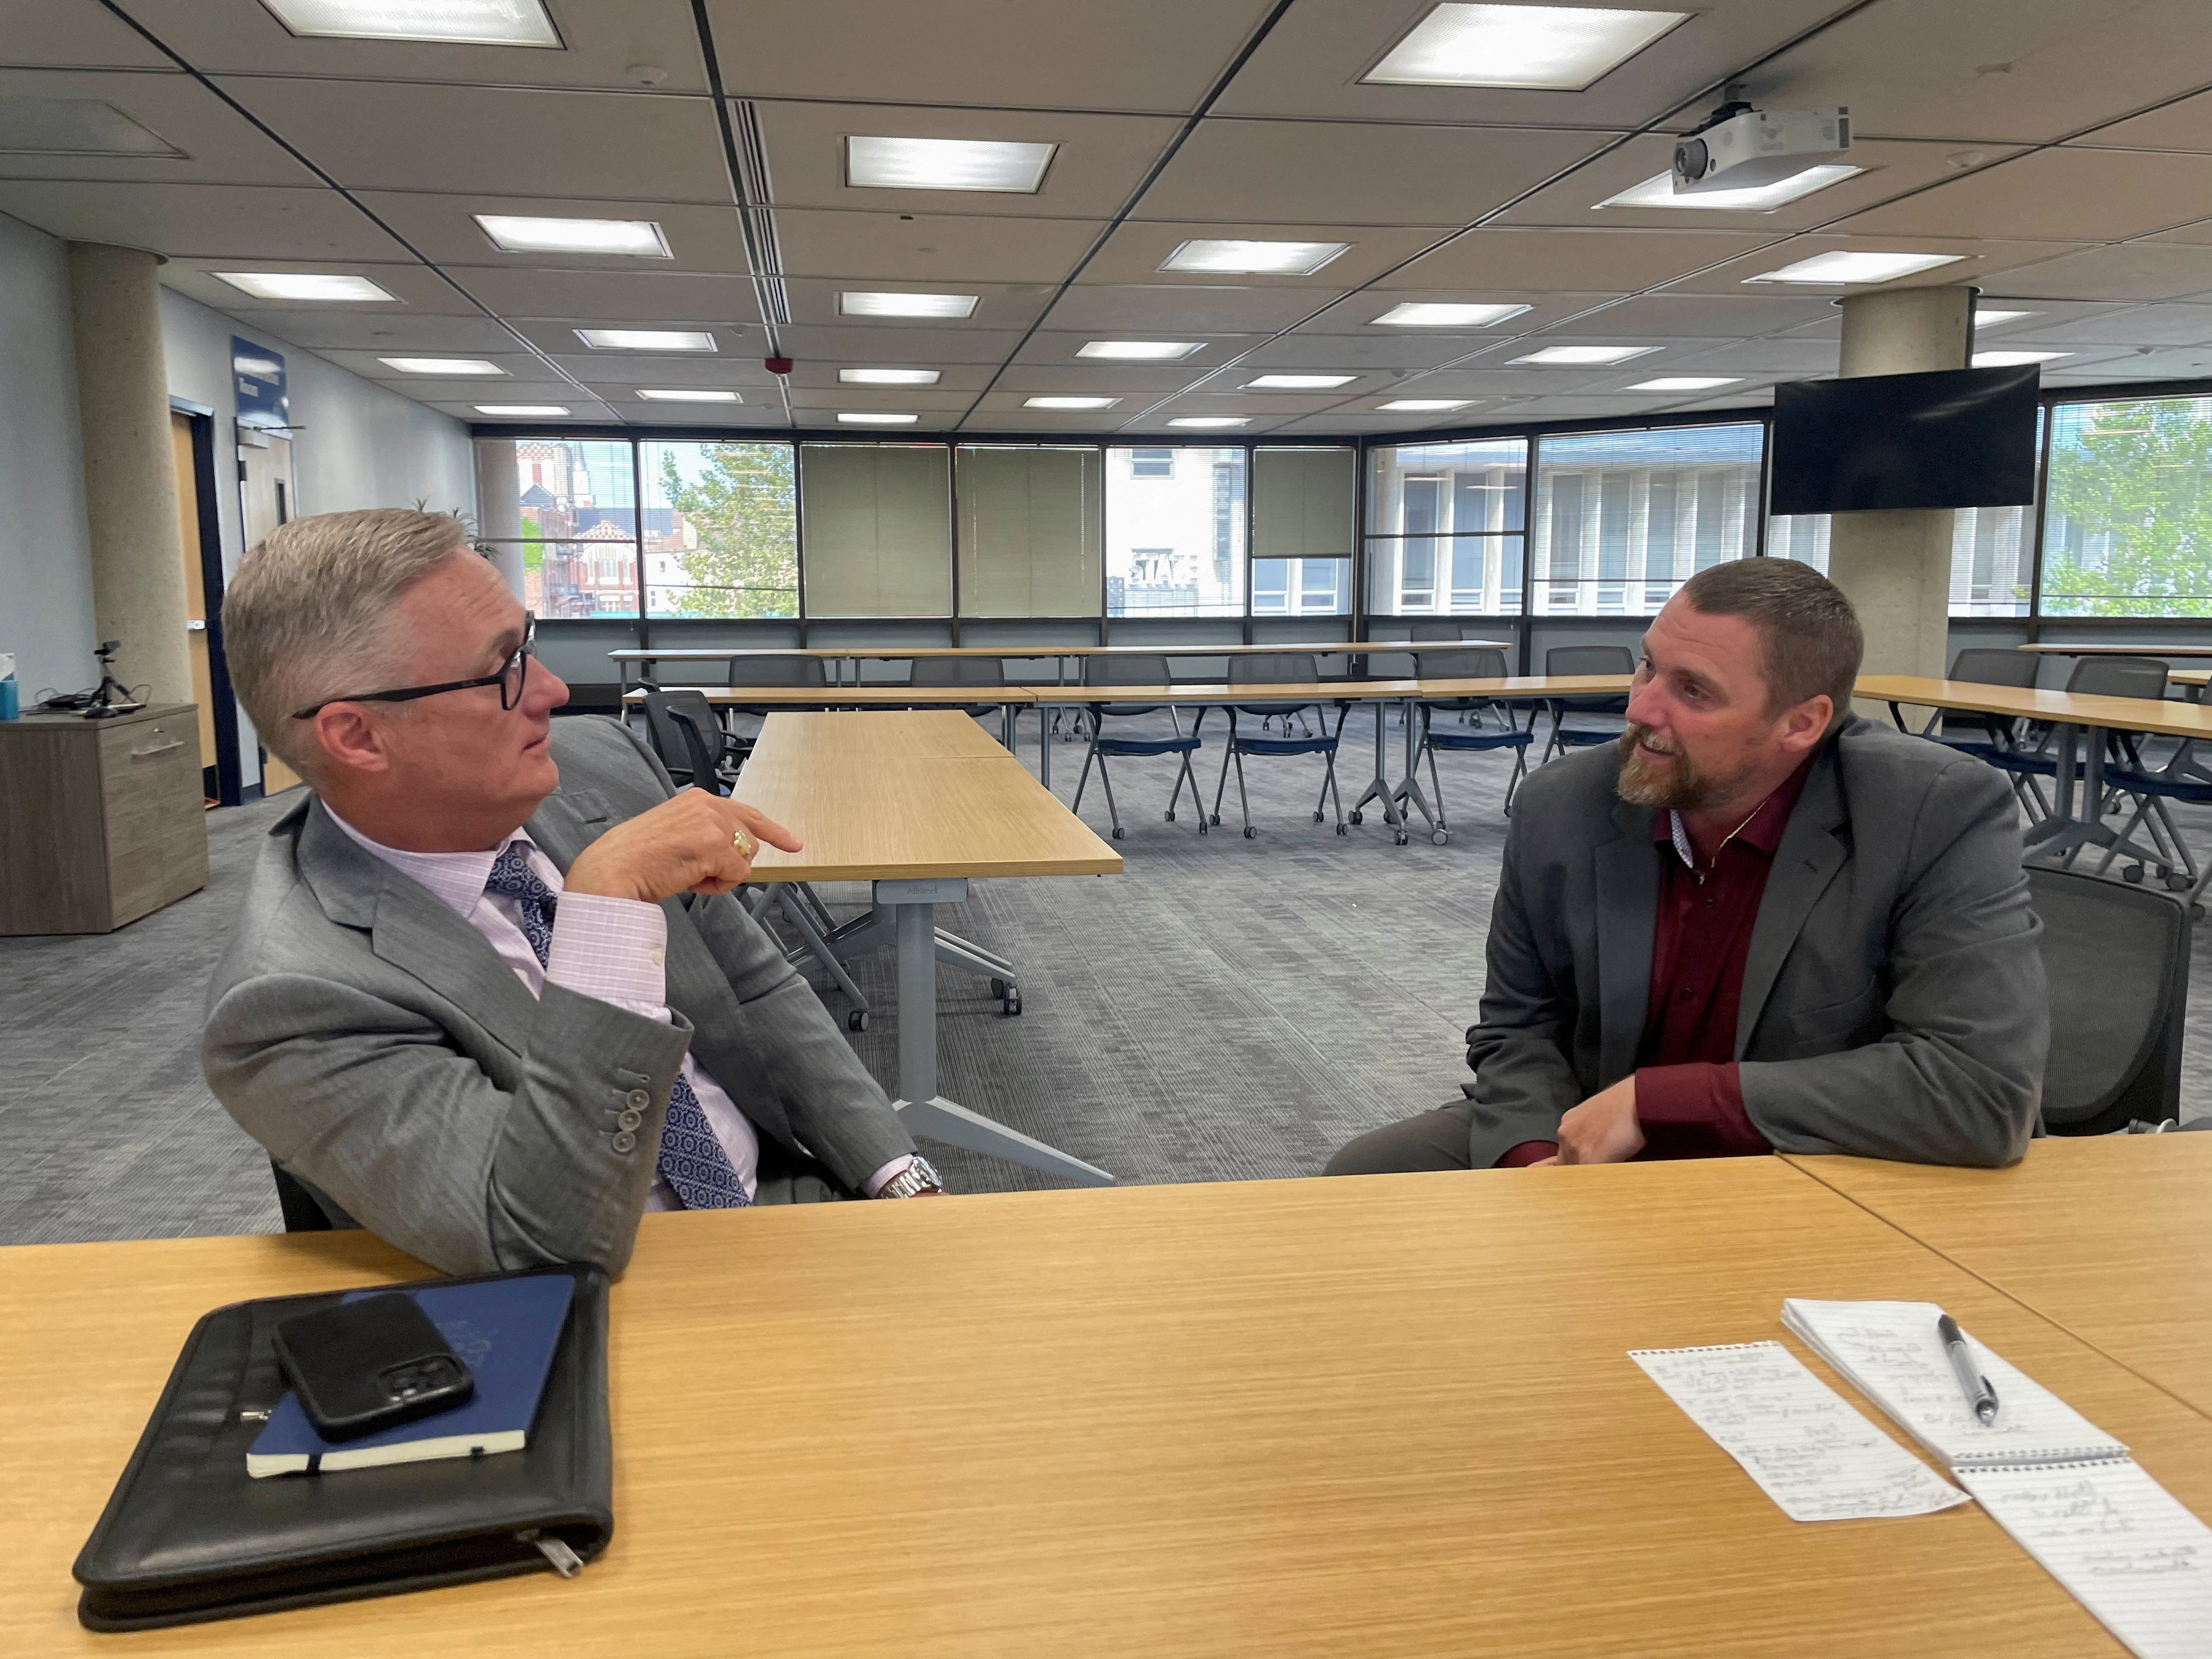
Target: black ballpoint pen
1981, 1398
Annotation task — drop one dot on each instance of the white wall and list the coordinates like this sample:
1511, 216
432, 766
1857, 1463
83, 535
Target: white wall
46, 571
358, 444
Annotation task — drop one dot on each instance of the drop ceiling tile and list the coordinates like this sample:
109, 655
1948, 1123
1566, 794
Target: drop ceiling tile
2064, 195
228, 222
815, 378
929, 400
2184, 125
1891, 167
80, 34
1356, 314
1777, 357
1101, 380
1101, 160
1498, 379
1251, 403
610, 296
2044, 313
1979, 261
1134, 252
1619, 260
1576, 409
582, 411
924, 344
1147, 55
515, 389
2134, 270
418, 290
2196, 234
556, 337
769, 415
819, 420
1039, 422
599, 44
389, 330
1345, 173
1348, 353
1175, 311
1156, 424
1047, 346
2135, 326
220, 146
1310, 63
736, 371
701, 239
2168, 363
1355, 422
1697, 316
930, 249
382, 135
2027, 72
1000, 306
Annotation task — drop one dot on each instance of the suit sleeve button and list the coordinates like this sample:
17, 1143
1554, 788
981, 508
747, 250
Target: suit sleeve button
625, 1141
630, 1119
637, 1100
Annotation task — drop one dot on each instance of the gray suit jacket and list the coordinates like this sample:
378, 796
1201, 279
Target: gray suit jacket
379, 1048
1894, 1000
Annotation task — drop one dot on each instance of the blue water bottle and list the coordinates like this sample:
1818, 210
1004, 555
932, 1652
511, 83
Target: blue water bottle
11, 705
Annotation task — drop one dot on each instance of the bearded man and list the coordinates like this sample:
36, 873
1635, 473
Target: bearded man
1757, 923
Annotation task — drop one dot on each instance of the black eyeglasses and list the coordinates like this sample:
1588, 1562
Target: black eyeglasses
511, 674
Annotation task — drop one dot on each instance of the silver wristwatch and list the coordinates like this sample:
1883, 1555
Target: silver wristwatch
918, 1177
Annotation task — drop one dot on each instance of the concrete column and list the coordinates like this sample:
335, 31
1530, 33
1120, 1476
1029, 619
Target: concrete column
130, 480
1896, 567
499, 510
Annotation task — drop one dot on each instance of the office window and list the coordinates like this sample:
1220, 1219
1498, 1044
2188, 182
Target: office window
1989, 576
1444, 528
1303, 507
571, 507
1175, 533
878, 527
1029, 532
2127, 528
1623, 519
721, 529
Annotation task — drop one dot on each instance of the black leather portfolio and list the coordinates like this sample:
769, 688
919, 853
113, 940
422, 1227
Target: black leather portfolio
188, 1536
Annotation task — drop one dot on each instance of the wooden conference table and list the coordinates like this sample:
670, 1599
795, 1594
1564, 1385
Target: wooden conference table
917, 804
1391, 1418
2202, 648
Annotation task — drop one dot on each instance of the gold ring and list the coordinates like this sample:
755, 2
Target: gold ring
744, 842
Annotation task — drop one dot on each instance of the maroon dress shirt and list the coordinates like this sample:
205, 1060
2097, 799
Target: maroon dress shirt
1689, 1099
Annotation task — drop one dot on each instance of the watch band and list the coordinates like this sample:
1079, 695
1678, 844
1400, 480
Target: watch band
919, 1176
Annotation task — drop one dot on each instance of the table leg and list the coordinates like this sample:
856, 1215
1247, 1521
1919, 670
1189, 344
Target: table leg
1044, 743
1378, 786
927, 1112
1414, 797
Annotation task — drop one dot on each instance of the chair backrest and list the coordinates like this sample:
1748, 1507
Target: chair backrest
2117, 962
2118, 677
1143, 668
297, 1202
692, 746
701, 738
958, 670
666, 735
1274, 668
1438, 630
777, 670
1983, 664
1460, 664
1590, 659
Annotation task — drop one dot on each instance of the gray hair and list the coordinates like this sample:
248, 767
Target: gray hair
310, 615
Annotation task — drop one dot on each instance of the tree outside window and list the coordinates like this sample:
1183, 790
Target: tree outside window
2128, 520
721, 529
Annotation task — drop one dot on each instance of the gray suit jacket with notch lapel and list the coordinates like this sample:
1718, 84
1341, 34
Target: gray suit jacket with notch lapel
1893, 1001
377, 1045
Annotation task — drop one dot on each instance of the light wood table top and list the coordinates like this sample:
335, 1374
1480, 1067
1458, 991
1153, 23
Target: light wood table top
856, 696
897, 797
2200, 649
2108, 1236
1218, 692
1533, 685
1391, 1418
2169, 719
2189, 677
900, 652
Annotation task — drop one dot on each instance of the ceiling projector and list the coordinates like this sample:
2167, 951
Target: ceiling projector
1741, 148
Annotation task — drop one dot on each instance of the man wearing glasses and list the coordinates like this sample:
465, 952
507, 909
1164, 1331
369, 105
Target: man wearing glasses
489, 995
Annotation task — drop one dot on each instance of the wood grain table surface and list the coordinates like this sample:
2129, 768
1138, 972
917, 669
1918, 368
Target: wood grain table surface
900, 652
864, 696
1388, 1417
2108, 1235
893, 796
2169, 719
2201, 648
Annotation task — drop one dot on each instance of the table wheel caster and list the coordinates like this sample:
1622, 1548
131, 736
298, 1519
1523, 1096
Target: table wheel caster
1343, 830
1251, 834
1403, 838
1317, 818
1357, 817
999, 989
1011, 1004
1171, 818
1117, 832
856, 1019
1213, 818
1439, 837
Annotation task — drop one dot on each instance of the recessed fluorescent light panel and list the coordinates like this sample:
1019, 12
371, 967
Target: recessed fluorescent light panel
1140, 351
687, 394
457, 23
1586, 357
74, 126
870, 418
639, 239
522, 409
1841, 267
1212, 420
304, 285
1235, 259
2014, 359
946, 164
1417, 313
906, 305
1554, 48
442, 365
1424, 405
888, 376
1658, 191
1298, 382
1069, 403
646, 339
1685, 383
1991, 319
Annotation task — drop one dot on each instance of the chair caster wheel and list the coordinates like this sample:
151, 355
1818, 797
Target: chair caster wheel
1117, 832
999, 989
1251, 834
2178, 883
1439, 837
1011, 1004
1358, 816
1171, 818
1317, 818
1342, 829
856, 1019
1403, 838
1213, 818
2132, 875
1201, 826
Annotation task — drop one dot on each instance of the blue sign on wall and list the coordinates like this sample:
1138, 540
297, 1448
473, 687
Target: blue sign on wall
259, 375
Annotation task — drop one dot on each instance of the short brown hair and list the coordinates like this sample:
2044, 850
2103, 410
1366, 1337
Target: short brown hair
1814, 642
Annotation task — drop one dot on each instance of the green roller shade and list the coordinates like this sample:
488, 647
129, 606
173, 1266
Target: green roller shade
879, 529
1029, 529
1303, 501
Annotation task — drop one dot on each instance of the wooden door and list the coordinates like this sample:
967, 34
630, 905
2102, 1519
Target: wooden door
264, 483
195, 636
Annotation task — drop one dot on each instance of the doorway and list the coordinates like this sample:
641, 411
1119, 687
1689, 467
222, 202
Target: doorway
265, 486
200, 534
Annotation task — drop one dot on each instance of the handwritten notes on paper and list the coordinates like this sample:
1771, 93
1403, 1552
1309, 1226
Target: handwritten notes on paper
1806, 1446
2118, 1542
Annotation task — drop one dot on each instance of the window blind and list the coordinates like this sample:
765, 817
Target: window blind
1030, 531
879, 529
1303, 503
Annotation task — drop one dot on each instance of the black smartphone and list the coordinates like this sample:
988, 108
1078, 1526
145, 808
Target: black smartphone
370, 1365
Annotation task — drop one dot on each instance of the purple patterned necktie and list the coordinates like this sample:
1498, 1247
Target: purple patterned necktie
692, 1161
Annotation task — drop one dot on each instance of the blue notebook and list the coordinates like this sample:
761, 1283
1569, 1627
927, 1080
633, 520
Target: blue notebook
505, 1331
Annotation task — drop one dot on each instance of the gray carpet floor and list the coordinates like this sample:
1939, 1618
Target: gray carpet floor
1226, 1009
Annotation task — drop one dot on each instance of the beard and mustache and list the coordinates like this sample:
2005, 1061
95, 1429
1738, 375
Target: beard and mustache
1679, 785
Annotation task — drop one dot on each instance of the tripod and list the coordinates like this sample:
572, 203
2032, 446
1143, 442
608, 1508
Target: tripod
113, 697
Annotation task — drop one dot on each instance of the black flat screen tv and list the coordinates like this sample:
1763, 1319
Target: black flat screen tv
1959, 437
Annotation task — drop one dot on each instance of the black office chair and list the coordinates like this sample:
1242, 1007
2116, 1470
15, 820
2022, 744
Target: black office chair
690, 742
1467, 665
1282, 668
299, 1204
2113, 677
1438, 630
1139, 670
2117, 962
1585, 660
